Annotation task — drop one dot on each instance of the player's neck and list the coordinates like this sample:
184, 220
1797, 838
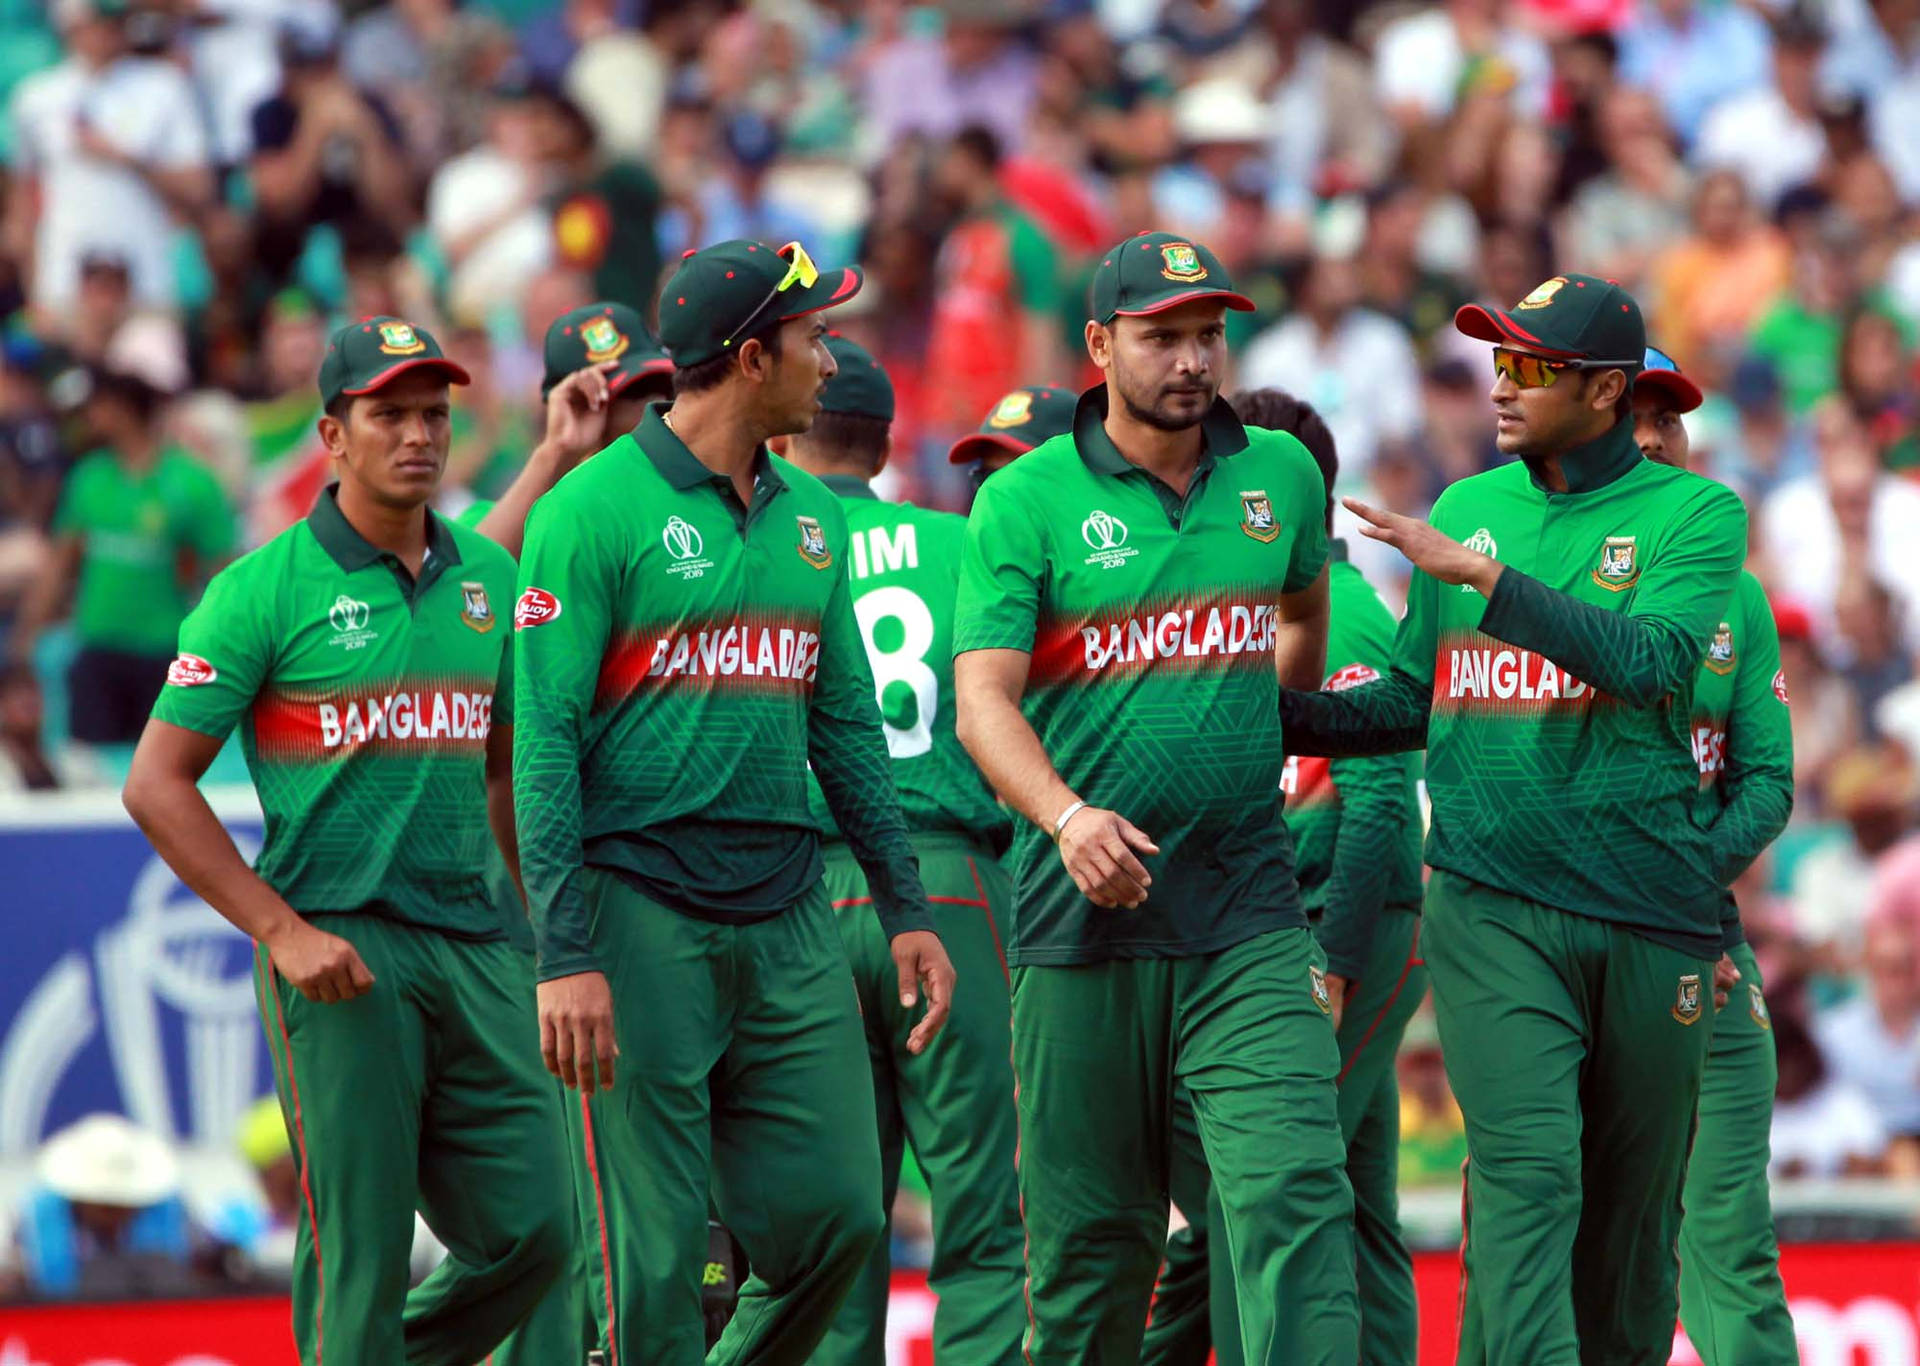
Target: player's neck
400, 531
721, 435
1170, 457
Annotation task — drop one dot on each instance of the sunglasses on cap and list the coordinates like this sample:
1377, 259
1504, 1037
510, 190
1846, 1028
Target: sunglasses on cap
801, 271
1656, 359
1538, 372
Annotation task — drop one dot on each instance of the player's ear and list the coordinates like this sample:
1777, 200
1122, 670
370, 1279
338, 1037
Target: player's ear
1099, 343
333, 434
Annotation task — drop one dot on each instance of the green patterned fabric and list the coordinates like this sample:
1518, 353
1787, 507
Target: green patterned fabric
364, 701
904, 563
685, 658
1556, 715
1150, 619
1742, 741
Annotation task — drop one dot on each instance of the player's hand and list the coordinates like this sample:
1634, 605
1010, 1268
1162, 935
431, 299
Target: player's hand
1101, 848
922, 961
1337, 989
1434, 551
576, 1031
324, 967
577, 413
1725, 977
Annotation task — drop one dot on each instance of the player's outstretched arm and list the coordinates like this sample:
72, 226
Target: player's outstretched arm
163, 797
1385, 716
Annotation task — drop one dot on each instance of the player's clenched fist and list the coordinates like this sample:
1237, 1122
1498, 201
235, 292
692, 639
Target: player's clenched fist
325, 967
1100, 849
576, 1031
922, 959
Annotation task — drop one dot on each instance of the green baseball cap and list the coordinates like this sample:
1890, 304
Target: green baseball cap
1571, 317
1019, 422
363, 356
594, 334
723, 293
860, 387
1155, 270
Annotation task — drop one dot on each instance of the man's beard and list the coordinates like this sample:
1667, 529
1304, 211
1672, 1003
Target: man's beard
1163, 421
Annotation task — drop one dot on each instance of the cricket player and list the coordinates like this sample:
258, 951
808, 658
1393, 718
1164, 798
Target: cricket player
955, 1103
1558, 614
361, 654
603, 367
687, 644
1021, 420
1732, 1302
1126, 594
1356, 829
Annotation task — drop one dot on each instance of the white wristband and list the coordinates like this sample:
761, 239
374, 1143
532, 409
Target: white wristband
1066, 816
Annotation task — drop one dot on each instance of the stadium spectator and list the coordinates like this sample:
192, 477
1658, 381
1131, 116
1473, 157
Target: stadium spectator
140, 527
1713, 285
1623, 217
975, 73
1826, 715
1872, 1041
1771, 134
1872, 789
437, 60
1822, 1126
1692, 54
1427, 59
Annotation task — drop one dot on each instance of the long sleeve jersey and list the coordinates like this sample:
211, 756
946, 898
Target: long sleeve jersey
681, 659
1557, 714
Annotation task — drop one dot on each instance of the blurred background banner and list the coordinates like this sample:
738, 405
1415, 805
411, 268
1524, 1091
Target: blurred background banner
119, 989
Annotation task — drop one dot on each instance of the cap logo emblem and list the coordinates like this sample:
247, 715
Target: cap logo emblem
1181, 263
1542, 294
399, 339
1256, 515
1011, 411
475, 610
1720, 656
813, 543
1619, 565
604, 341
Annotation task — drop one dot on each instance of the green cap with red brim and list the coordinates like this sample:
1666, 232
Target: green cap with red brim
1660, 374
1570, 317
1157, 270
1018, 423
370, 354
594, 334
722, 294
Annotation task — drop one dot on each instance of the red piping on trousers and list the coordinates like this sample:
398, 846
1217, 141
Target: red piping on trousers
1413, 957
600, 1209
306, 1187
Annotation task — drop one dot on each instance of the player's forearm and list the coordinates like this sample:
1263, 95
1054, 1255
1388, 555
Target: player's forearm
175, 817
506, 521
1756, 812
1635, 661
1374, 807
1300, 639
1387, 716
1010, 756
547, 818
500, 802
850, 762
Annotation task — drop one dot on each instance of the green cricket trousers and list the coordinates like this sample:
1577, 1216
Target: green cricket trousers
1732, 1302
953, 1103
427, 1092
1575, 1048
742, 1072
1193, 1304
1101, 1052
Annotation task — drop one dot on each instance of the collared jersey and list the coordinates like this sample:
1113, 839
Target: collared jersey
683, 657
1338, 862
904, 565
1150, 619
1742, 739
364, 700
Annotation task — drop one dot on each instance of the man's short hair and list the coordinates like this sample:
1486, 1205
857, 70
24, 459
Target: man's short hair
855, 438
981, 143
1279, 411
710, 374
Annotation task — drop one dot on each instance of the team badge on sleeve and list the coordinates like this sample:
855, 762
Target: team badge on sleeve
536, 607
1256, 515
1720, 656
1323, 998
813, 543
190, 671
1780, 685
1619, 564
475, 610
1686, 1001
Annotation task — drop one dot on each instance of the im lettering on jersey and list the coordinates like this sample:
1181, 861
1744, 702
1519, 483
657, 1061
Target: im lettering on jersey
402, 719
1476, 673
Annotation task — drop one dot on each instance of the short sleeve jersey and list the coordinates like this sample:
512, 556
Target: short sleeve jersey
135, 525
904, 566
364, 701
1150, 620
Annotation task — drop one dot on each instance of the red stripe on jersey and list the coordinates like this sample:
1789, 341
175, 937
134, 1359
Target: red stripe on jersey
1210, 634
402, 718
1479, 674
758, 653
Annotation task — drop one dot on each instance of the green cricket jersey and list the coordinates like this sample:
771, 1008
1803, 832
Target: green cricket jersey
1742, 741
364, 700
905, 565
1556, 714
1355, 821
683, 658
1150, 619
135, 525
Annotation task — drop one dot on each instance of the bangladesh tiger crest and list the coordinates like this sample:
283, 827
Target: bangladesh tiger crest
1619, 564
1542, 294
1757, 1006
1256, 515
604, 341
813, 544
475, 610
1720, 653
1011, 411
399, 339
1321, 996
1686, 1001
1181, 263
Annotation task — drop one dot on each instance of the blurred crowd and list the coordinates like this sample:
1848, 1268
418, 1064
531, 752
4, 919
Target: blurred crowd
196, 191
